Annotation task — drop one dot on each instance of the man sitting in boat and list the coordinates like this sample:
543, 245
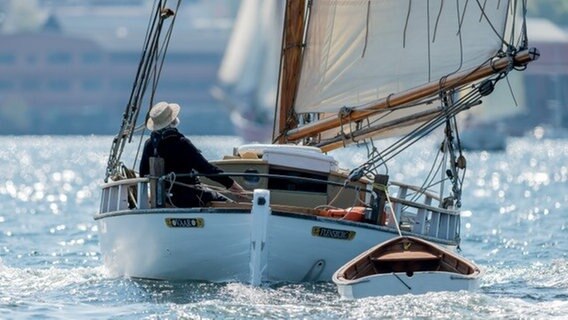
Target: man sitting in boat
182, 158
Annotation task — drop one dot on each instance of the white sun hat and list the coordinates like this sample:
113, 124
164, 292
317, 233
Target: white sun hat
162, 115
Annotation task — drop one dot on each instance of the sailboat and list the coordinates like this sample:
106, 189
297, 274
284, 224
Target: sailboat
487, 127
248, 75
351, 72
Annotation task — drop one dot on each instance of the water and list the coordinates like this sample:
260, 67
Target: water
514, 226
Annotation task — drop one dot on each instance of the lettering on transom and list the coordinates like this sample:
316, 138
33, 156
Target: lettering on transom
185, 222
333, 233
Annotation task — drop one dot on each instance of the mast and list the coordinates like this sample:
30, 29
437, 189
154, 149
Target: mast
292, 45
419, 93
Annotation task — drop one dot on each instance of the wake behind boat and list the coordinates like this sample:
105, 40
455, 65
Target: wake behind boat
351, 72
405, 265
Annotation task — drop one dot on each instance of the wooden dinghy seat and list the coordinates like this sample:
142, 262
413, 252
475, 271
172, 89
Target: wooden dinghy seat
406, 261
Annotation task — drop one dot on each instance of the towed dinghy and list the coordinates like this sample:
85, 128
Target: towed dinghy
405, 265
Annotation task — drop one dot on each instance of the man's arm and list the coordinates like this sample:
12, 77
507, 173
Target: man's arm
201, 164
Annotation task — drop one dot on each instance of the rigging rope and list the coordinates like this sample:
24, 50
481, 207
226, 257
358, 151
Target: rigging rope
147, 69
416, 134
464, 103
427, 127
391, 206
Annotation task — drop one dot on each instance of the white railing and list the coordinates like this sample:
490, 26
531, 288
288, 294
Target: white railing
125, 194
418, 211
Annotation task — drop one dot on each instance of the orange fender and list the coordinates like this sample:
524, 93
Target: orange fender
351, 214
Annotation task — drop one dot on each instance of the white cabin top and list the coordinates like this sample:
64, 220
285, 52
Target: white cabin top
293, 156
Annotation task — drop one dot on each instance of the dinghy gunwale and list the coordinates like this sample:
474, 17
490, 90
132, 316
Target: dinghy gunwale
376, 252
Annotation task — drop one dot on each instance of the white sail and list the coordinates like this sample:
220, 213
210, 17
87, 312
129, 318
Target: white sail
238, 71
271, 21
362, 51
248, 75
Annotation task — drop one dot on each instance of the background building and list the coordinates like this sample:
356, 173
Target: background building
67, 67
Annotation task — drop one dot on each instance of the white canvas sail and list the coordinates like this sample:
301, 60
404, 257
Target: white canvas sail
238, 74
362, 51
248, 76
271, 20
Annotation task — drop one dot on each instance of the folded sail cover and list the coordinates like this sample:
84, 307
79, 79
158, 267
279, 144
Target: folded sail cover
360, 51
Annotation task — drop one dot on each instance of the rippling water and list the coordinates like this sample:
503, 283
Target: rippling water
514, 226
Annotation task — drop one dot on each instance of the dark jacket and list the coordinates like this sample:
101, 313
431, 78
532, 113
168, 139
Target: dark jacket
181, 157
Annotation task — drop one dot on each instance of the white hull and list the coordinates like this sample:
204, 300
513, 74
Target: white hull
400, 283
139, 244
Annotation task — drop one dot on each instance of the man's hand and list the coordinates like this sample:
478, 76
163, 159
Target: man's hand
237, 189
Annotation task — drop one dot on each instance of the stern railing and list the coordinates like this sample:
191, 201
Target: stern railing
418, 211
125, 194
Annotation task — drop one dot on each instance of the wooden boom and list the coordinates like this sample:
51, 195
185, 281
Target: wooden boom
415, 94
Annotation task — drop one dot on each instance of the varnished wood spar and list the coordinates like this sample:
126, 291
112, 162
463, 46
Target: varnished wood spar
419, 117
416, 94
291, 63
340, 141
